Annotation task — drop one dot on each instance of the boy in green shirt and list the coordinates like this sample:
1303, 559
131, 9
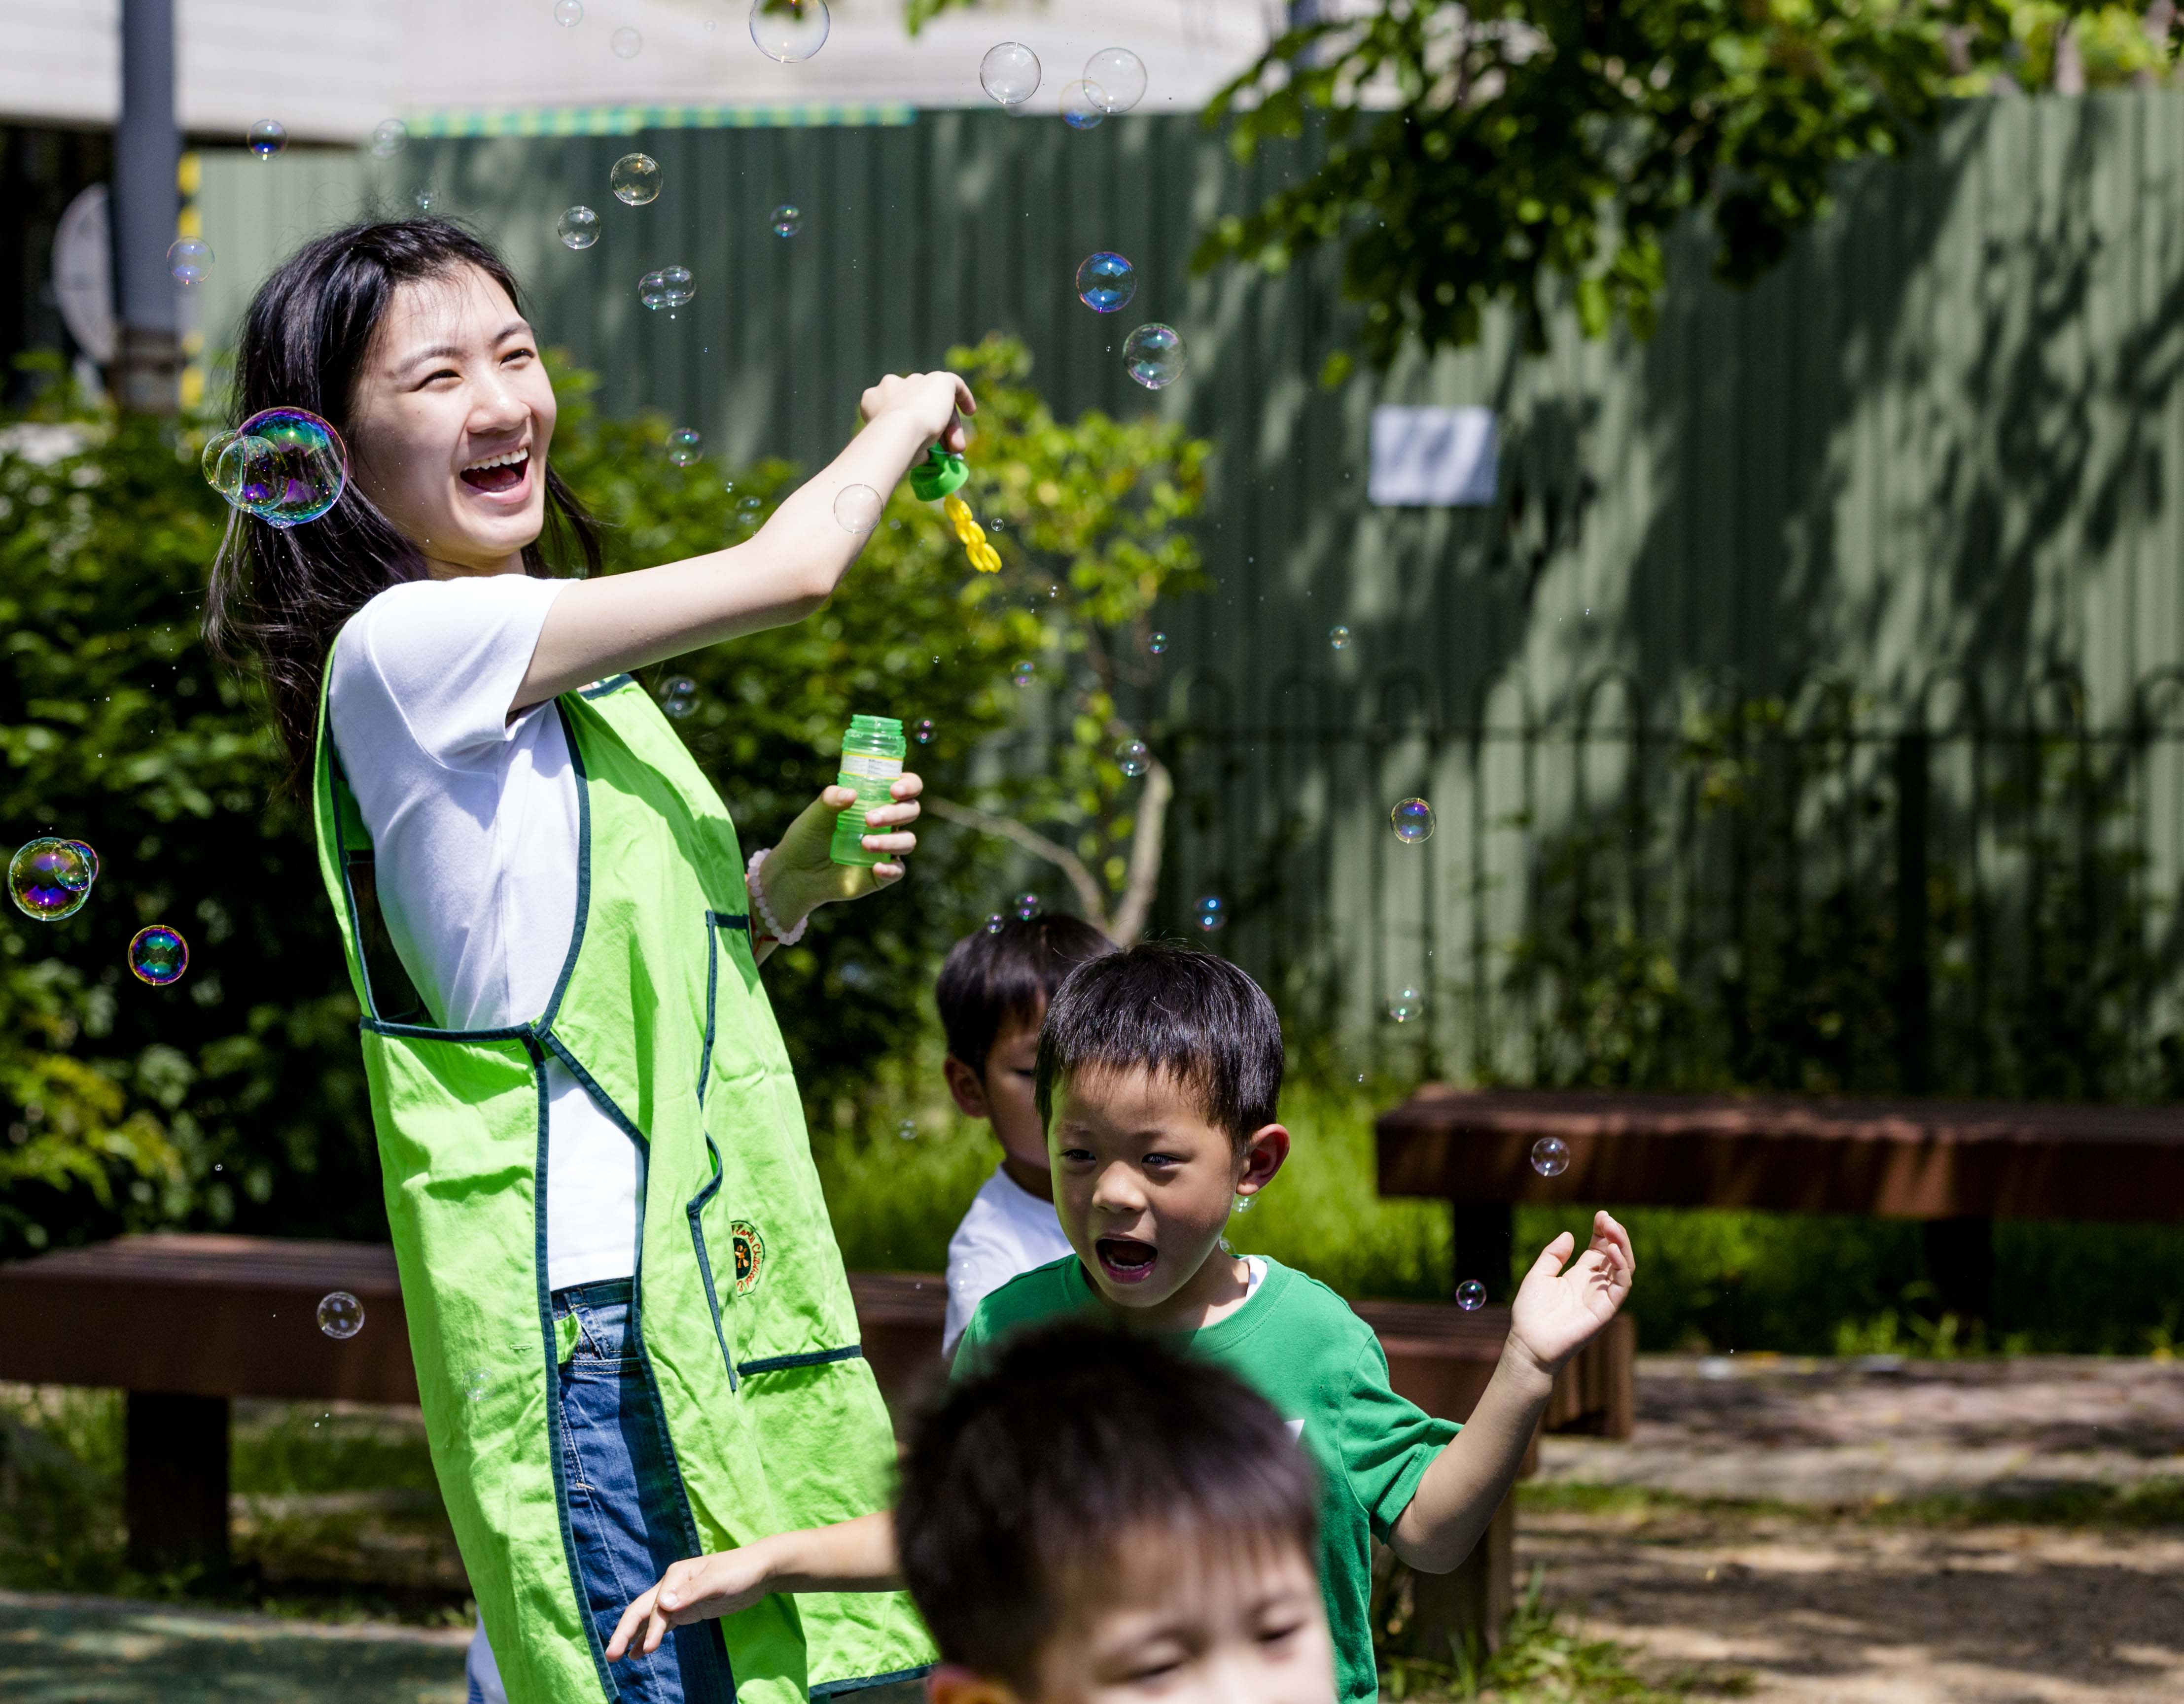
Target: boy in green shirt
1159, 1075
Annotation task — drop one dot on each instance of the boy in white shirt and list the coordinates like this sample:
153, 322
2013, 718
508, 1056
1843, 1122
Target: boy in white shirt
992, 994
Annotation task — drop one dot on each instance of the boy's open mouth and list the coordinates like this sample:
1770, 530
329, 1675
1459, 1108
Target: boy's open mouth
498, 472
1125, 1259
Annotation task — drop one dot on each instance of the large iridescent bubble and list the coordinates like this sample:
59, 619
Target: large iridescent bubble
50, 879
284, 465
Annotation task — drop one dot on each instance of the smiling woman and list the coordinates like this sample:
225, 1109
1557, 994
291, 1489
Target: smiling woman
575, 1075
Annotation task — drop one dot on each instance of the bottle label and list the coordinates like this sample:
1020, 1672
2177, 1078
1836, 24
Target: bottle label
871, 768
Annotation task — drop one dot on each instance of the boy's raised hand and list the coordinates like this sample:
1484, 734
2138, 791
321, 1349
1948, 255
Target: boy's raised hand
932, 403
692, 1589
1557, 1310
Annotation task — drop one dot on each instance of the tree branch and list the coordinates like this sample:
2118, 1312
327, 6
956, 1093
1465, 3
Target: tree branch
1145, 848
1088, 894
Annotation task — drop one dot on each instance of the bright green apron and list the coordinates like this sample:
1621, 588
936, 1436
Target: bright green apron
772, 1417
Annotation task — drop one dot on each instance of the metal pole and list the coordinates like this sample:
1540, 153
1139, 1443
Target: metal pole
147, 153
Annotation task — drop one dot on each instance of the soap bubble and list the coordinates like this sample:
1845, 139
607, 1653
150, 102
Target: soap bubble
1026, 906
267, 138
1243, 1204
1338, 638
923, 731
1153, 355
787, 218
1406, 1004
568, 14
157, 956
90, 857
189, 259
1211, 913
1106, 282
424, 197
388, 138
685, 444
578, 227
287, 466
1132, 758
1023, 674
857, 507
678, 696
1083, 106
1550, 1156
1118, 75
1010, 73
341, 1314
1156, 643
907, 1130
635, 180
670, 286
50, 879
788, 30
997, 923
627, 42
1471, 1295
209, 461
1412, 820
475, 1386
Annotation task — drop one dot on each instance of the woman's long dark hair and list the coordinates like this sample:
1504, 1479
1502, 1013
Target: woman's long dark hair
279, 595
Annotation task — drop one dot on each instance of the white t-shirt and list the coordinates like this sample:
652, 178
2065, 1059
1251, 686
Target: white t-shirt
474, 822
1008, 1230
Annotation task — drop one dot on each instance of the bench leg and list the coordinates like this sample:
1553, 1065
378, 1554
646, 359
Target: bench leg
175, 1484
1960, 1266
1468, 1606
1485, 1232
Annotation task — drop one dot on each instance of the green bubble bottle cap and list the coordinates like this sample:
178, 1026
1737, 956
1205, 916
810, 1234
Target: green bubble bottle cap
940, 473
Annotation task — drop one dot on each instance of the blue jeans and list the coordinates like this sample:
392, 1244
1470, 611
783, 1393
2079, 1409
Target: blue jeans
627, 1513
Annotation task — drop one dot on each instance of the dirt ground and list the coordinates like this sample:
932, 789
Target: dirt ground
1830, 1590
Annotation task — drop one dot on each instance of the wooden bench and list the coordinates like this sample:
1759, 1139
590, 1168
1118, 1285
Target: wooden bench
1955, 1165
184, 1324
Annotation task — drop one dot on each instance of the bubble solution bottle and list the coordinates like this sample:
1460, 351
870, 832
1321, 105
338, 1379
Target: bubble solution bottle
871, 759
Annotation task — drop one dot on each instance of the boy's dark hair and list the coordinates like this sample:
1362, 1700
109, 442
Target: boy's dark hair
1020, 1490
998, 976
1173, 1011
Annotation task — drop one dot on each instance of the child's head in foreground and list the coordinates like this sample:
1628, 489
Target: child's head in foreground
1158, 1084
992, 994
1096, 1519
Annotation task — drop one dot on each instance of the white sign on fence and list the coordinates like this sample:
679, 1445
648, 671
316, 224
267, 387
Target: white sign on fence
1436, 457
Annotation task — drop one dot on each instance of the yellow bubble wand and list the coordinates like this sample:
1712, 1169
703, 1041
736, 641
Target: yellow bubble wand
939, 476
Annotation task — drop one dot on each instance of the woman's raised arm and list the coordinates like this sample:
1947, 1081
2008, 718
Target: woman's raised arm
789, 569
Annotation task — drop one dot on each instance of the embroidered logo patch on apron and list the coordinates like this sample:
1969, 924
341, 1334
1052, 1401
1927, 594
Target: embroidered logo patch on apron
750, 1253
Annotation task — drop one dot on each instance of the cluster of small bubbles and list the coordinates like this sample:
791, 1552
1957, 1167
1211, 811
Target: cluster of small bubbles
158, 955
50, 879
788, 30
1412, 820
1153, 355
1406, 1004
670, 286
341, 1314
1023, 674
922, 730
1105, 282
1211, 913
388, 138
857, 507
635, 180
678, 696
787, 218
1009, 74
685, 444
907, 1130
568, 14
1156, 643
1026, 906
190, 260
627, 42
1471, 1295
1118, 76
1132, 758
997, 923
425, 197
1550, 1156
1338, 638
267, 138
1083, 106
284, 465
578, 227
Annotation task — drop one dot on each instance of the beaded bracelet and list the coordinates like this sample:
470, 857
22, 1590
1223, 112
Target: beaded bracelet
787, 937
